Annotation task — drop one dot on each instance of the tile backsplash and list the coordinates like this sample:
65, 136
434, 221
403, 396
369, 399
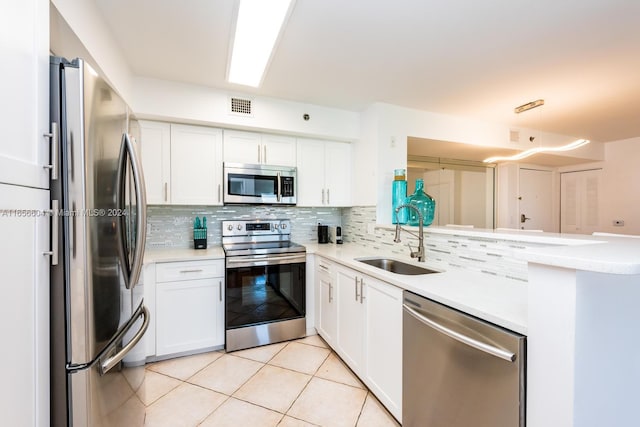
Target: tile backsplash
172, 226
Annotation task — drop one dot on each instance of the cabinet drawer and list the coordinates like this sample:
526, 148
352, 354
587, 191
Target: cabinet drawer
189, 270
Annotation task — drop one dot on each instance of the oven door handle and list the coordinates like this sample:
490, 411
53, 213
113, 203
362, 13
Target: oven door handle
267, 259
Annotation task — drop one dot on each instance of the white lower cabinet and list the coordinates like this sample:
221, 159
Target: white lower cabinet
361, 319
383, 343
189, 306
327, 313
351, 319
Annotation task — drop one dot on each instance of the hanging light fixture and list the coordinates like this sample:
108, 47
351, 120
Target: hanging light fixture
530, 152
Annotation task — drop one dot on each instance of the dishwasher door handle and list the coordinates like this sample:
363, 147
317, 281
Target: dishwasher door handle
494, 351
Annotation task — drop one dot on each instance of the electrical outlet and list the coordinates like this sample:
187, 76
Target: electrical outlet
393, 141
618, 223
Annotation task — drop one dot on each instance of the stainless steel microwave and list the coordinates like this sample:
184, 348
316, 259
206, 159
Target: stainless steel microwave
259, 184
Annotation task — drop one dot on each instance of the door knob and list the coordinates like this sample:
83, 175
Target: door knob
523, 218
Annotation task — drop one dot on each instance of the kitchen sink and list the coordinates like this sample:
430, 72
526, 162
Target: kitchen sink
395, 266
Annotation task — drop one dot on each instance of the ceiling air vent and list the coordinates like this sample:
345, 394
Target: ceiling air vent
241, 106
514, 135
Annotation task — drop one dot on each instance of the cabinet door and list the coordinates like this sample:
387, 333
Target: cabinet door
327, 316
311, 171
278, 150
188, 315
155, 147
384, 343
24, 105
24, 306
337, 174
196, 165
351, 311
242, 147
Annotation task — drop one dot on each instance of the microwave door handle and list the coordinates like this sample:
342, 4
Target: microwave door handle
279, 187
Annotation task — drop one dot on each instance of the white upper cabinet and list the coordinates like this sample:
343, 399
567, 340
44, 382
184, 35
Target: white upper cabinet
258, 148
196, 165
155, 148
324, 173
182, 164
24, 105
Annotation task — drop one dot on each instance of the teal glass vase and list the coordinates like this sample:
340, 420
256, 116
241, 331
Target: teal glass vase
424, 202
398, 197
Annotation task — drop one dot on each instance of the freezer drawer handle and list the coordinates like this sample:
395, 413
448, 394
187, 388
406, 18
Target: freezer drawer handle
112, 361
494, 351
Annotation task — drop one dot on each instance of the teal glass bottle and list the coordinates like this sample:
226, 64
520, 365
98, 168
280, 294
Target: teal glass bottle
423, 202
398, 197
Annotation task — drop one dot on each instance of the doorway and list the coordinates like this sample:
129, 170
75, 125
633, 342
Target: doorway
535, 207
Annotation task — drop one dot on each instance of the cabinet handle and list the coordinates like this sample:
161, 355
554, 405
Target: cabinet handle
55, 150
219, 193
259, 157
191, 271
323, 196
264, 157
356, 287
324, 267
330, 288
220, 282
166, 191
55, 232
328, 200
361, 289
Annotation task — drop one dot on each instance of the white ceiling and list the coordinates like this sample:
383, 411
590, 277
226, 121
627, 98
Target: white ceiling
464, 57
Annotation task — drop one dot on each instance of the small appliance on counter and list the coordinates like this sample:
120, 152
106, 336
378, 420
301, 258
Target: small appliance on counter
335, 234
323, 233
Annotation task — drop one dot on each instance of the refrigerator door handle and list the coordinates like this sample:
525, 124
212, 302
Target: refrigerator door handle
129, 149
109, 363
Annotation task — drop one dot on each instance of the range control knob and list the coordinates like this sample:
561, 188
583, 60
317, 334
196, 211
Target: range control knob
276, 226
230, 227
283, 225
239, 227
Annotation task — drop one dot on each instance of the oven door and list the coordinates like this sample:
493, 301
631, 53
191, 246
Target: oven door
263, 293
259, 184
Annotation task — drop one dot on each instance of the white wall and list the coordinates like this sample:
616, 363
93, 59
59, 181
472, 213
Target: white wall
174, 101
91, 32
395, 123
621, 186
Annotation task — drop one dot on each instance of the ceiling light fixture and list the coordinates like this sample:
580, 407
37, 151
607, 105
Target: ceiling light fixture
519, 156
259, 24
528, 106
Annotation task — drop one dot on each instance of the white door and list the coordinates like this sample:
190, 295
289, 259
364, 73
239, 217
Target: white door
536, 200
579, 202
24, 306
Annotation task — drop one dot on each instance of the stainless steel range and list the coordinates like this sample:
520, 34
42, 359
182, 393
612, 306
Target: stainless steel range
265, 283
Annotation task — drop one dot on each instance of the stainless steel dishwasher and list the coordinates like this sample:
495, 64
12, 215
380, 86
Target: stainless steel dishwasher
459, 370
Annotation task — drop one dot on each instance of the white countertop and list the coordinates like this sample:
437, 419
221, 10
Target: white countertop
176, 254
605, 253
499, 301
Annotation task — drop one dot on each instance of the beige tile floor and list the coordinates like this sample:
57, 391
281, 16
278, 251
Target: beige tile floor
292, 384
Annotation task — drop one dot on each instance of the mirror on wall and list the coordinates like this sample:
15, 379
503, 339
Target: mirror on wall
463, 190
463, 186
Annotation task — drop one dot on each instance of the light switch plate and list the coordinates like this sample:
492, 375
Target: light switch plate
618, 223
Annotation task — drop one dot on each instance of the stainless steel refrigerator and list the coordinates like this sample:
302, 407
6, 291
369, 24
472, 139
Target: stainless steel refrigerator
98, 234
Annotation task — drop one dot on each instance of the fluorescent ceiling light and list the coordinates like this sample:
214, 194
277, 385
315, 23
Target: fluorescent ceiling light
258, 26
519, 156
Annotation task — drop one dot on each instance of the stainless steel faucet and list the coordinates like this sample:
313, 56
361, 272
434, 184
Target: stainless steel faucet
420, 252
